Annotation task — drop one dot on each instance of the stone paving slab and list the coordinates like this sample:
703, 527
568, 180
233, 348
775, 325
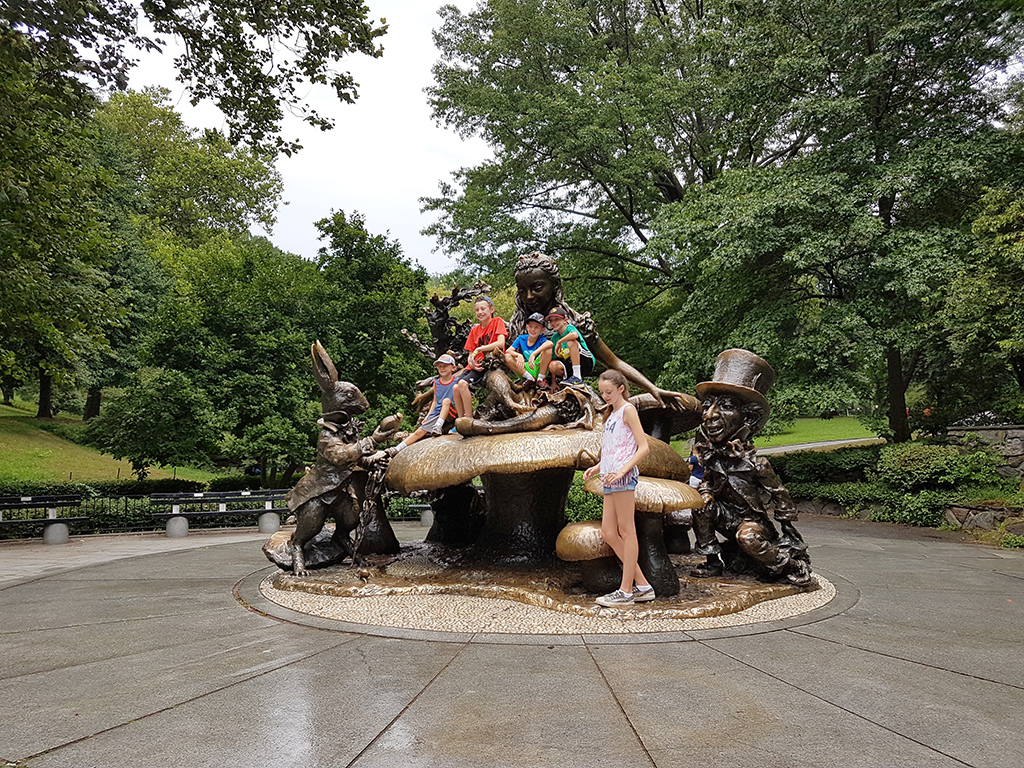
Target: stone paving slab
319, 710
22, 559
692, 705
958, 716
43, 710
505, 705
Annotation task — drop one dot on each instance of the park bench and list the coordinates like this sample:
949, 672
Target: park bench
184, 506
55, 527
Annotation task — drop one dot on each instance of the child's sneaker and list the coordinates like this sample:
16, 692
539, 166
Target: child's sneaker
572, 380
542, 385
616, 599
643, 595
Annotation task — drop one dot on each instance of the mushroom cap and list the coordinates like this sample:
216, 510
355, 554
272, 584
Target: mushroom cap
582, 541
657, 496
681, 421
441, 462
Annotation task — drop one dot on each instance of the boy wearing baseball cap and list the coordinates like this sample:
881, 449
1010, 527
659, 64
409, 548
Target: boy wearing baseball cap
567, 346
526, 356
440, 406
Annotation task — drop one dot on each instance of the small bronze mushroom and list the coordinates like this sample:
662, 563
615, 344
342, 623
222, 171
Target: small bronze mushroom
582, 543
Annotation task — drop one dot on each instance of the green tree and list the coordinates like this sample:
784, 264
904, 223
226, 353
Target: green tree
189, 183
55, 303
166, 182
903, 112
770, 172
375, 292
162, 419
598, 113
251, 60
236, 324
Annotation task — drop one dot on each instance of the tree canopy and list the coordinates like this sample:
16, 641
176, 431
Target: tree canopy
799, 179
253, 60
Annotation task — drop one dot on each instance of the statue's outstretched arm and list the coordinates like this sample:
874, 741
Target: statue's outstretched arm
665, 397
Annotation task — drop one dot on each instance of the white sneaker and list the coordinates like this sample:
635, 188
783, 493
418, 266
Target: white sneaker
643, 595
616, 599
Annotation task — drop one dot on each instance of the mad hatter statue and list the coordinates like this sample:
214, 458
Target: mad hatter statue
740, 490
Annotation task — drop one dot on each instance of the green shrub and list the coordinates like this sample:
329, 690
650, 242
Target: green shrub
924, 508
398, 506
582, 505
112, 488
60, 488
916, 466
838, 466
1012, 541
854, 496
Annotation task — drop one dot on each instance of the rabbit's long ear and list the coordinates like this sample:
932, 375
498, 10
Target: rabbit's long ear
323, 367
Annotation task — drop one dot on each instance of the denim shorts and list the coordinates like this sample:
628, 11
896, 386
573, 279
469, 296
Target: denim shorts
630, 486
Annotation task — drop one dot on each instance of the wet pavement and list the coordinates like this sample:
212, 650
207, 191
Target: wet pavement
136, 651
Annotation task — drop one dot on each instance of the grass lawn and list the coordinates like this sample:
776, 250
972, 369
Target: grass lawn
29, 453
805, 431
817, 430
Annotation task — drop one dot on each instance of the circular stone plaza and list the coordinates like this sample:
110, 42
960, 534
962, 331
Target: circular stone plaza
148, 651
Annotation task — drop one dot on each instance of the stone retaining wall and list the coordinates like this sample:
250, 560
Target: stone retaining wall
968, 518
981, 518
1008, 440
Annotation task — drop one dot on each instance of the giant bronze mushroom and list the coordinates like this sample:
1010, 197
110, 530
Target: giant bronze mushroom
526, 478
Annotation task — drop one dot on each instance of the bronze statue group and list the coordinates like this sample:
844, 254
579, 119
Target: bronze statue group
536, 381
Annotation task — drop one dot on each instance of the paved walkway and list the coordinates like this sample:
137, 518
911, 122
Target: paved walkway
830, 444
141, 655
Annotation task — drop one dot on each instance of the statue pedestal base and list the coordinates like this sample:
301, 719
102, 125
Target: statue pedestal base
423, 571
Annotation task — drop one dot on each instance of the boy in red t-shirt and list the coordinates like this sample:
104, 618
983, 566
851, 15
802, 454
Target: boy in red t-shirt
485, 337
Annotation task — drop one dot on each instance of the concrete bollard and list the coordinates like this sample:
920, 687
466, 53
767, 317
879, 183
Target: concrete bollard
177, 527
55, 533
425, 512
270, 522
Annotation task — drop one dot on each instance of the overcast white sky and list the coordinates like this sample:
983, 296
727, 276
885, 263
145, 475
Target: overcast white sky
385, 152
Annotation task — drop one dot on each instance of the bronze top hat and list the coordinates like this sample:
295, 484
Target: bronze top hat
742, 374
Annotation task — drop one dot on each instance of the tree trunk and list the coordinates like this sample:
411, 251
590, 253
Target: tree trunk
897, 391
45, 395
289, 473
1017, 366
8, 393
92, 403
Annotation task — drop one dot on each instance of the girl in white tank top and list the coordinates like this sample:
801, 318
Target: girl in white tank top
623, 447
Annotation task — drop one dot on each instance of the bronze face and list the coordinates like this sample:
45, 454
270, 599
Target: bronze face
723, 417
537, 290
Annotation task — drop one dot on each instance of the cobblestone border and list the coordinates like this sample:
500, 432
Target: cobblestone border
450, 618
